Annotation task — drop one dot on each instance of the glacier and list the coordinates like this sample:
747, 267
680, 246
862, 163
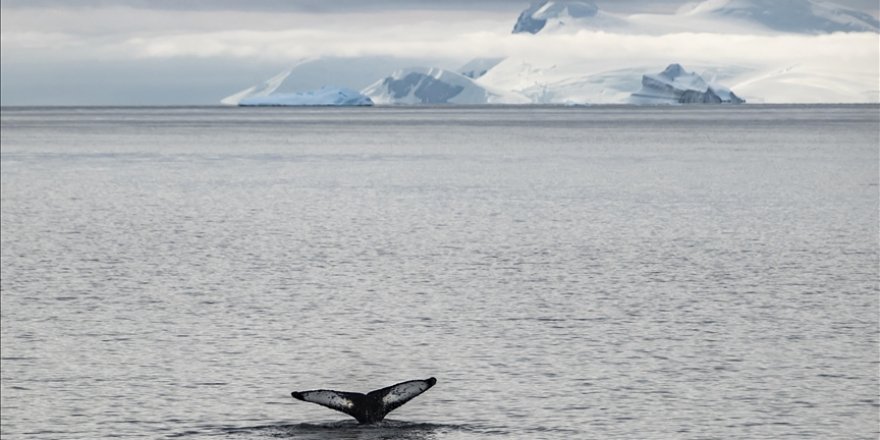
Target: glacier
325, 96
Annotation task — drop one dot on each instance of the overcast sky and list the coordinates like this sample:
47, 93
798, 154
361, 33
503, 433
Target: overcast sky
145, 52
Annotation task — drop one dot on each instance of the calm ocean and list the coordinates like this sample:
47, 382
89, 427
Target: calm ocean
587, 273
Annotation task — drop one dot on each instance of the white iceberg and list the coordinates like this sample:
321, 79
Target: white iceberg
325, 96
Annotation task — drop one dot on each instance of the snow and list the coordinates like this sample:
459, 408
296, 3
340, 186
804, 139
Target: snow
594, 66
726, 16
429, 85
527, 21
263, 89
325, 96
806, 83
308, 75
585, 81
796, 16
549, 15
768, 51
611, 87
675, 85
478, 67
551, 79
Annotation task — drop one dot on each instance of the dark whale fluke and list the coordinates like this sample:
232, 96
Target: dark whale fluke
371, 407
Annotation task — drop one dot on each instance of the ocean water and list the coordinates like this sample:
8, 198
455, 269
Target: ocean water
591, 273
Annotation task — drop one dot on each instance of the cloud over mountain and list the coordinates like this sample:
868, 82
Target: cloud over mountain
134, 34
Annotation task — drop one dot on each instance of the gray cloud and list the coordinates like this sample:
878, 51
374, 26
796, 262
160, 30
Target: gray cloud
336, 6
309, 6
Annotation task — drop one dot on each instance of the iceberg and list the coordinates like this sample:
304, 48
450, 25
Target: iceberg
675, 85
325, 96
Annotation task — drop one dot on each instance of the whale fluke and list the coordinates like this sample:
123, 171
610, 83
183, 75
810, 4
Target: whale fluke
371, 407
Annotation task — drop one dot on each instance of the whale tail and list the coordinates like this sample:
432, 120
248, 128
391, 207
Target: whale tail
371, 407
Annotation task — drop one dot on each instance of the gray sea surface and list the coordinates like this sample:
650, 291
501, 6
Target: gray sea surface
593, 273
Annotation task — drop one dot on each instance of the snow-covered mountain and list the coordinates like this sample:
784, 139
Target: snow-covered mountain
606, 87
584, 81
571, 52
421, 85
726, 16
729, 33
260, 90
796, 16
311, 74
557, 13
325, 96
675, 85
